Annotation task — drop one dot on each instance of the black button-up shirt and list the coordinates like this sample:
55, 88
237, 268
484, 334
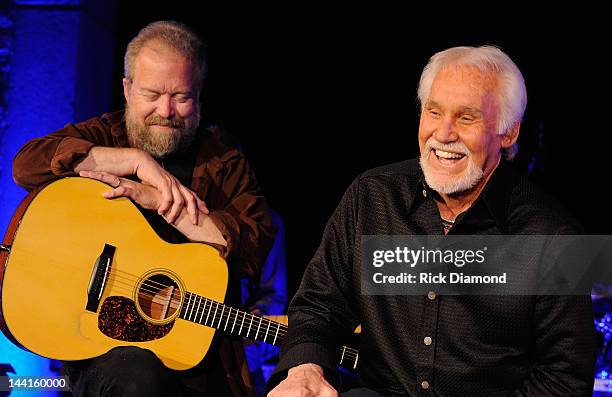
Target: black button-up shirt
431, 344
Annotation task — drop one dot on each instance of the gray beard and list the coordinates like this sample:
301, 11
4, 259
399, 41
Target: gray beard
468, 180
159, 144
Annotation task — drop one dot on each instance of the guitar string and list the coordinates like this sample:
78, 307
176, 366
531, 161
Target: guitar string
241, 316
236, 315
206, 302
210, 302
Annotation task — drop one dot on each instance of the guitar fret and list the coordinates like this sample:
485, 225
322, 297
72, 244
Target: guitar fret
208, 314
221, 317
242, 323
250, 324
235, 318
228, 318
277, 328
203, 310
200, 303
199, 298
259, 326
187, 306
191, 312
356, 359
214, 315
267, 329
343, 351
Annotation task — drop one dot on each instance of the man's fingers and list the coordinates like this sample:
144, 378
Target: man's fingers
105, 177
177, 205
167, 198
191, 203
121, 191
119, 184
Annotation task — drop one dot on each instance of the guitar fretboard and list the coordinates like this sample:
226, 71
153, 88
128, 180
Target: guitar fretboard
210, 313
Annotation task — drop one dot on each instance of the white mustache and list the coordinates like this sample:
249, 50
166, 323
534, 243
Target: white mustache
454, 147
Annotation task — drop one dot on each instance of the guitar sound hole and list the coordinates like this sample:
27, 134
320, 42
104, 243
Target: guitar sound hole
159, 297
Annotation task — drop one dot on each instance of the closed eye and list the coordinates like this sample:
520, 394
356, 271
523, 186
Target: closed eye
434, 113
182, 98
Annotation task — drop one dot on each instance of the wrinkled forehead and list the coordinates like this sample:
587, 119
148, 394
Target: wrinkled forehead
463, 85
163, 66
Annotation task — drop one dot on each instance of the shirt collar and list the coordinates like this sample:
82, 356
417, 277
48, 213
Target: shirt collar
116, 122
493, 201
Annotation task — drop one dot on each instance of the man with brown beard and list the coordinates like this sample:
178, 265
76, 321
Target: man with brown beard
204, 191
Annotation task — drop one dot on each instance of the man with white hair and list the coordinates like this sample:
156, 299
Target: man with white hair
472, 103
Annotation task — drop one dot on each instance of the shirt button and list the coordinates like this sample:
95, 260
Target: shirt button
431, 295
427, 340
424, 193
425, 385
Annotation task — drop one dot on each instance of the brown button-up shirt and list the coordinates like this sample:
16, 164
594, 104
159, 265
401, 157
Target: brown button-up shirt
219, 175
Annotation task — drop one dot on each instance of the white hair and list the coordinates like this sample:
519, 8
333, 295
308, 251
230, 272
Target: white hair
512, 95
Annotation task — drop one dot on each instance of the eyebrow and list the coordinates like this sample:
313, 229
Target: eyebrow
462, 109
152, 91
471, 110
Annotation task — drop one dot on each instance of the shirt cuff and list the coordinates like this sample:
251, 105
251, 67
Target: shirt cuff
305, 353
230, 230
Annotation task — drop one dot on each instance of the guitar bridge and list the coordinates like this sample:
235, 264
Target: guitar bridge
98, 278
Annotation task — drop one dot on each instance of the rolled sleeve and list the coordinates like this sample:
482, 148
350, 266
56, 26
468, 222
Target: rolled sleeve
230, 230
70, 152
54, 156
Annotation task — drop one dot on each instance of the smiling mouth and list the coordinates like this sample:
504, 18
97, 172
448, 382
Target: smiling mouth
445, 157
164, 127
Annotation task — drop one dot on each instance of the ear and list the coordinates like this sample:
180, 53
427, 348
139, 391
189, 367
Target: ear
126, 88
510, 137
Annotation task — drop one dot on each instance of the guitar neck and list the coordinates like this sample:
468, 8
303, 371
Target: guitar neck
210, 313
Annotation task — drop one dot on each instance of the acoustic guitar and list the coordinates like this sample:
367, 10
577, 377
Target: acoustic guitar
80, 275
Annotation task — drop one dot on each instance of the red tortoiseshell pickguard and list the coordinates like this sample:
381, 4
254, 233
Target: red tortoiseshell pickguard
119, 319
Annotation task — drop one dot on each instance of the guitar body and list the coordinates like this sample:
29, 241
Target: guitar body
54, 248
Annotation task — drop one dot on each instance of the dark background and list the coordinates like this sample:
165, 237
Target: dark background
318, 95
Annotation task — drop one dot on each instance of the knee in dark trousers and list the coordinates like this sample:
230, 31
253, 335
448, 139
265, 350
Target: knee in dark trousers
125, 371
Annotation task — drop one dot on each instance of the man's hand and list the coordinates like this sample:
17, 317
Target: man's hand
202, 230
148, 197
118, 162
174, 196
305, 380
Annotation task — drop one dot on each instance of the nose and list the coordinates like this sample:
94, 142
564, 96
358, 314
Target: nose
445, 131
165, 107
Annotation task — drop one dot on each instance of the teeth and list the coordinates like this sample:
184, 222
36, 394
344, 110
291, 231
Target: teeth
448, 155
